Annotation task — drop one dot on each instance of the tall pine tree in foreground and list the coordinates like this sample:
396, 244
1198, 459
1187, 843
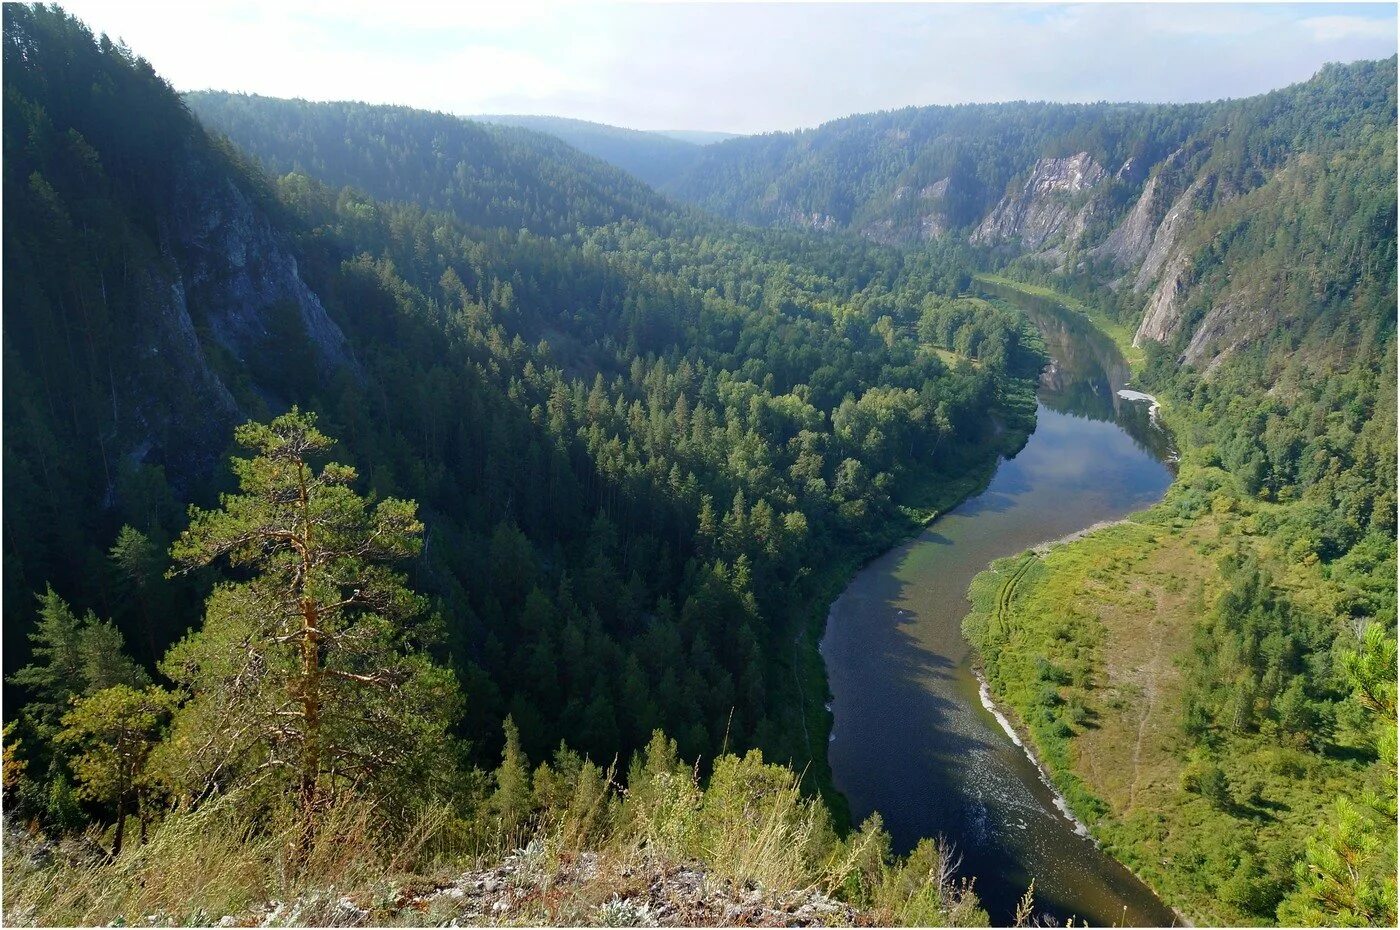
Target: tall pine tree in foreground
309, 678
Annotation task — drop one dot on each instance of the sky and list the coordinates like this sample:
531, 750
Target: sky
735, 67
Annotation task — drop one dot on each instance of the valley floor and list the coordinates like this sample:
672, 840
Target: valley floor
1087, 641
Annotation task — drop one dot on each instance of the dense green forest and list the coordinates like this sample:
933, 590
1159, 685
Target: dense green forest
634, 437
653, 157
485, 175
1278, 541
585, 465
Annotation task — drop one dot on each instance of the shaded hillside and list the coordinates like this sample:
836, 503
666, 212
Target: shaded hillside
486, 175
153, 298
654, 157
628, 449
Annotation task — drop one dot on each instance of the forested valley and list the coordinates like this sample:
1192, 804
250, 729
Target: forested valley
390, 493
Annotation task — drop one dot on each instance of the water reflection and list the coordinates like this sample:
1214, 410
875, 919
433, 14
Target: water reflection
1086, 372
911, 737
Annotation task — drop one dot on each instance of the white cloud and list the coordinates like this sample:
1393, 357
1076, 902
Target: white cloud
741, 67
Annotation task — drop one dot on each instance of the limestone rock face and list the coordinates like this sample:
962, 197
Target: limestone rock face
1168, 232
1162, 319
238, 268
824, 222
1131, 239
1227, 325
1054, 202
937, 190
223, 273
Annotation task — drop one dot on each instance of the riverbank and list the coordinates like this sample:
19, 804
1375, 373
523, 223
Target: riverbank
1121, 334
1010, 572
925, 499
1087, 649
912, 740
1017, 731
994, 591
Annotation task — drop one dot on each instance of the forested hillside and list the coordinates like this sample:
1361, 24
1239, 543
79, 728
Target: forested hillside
1241, 638
919, 173
623, 466
1250, 248
654, 157
484, 175
356, 456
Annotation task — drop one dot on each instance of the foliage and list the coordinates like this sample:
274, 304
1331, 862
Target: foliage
73, 657
113, 732
1209, 761
645, 443
648, 432
310, 676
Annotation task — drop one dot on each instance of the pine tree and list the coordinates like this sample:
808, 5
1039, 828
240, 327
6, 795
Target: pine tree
311, 675
72, 656
513, 801
113, 732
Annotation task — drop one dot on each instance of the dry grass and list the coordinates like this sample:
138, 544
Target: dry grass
745, 847
200, 865
1144, 612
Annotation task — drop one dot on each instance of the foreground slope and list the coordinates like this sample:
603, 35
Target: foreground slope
629, 450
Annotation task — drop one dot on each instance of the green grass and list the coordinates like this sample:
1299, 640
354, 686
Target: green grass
1121, 334
953, 359
748, 827
1085, 646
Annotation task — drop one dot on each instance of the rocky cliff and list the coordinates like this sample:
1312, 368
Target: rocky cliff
238, 267
1131, 196
226, 285
1054, 203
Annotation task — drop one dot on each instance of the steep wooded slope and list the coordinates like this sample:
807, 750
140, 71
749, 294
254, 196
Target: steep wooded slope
654, 157
488, 175
629, 448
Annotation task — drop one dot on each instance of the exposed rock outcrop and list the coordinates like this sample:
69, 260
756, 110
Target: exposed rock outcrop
1130, 240
824, 222
1227, 325
1053, 203
1162, 319
585, 889
1168, 266
222, 274
238, 268
1168, 232
882, 231
937, 190
932, 226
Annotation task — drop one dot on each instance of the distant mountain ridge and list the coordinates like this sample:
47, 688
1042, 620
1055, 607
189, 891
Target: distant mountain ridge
1136, 195
698, 136
487, 175
656, 157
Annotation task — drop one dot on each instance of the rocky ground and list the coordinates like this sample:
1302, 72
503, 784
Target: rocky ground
582, 890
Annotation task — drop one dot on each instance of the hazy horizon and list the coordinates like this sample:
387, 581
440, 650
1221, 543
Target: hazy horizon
741, 68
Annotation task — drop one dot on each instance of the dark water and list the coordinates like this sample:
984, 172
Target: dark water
912, 738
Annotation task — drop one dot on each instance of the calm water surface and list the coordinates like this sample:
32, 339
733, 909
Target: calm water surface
911, 737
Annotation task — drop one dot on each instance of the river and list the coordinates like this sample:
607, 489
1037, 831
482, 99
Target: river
911, 738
